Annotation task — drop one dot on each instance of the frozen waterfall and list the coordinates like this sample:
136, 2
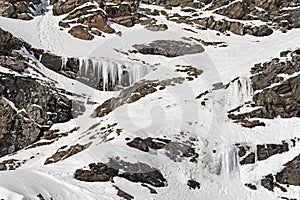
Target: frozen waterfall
238, 92
107, 74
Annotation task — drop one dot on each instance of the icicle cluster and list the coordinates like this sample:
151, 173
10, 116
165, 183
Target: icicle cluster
109, 75
239, 92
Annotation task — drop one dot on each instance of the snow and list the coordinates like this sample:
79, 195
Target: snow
162, 114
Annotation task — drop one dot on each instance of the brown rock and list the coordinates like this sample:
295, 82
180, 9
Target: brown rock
81, 32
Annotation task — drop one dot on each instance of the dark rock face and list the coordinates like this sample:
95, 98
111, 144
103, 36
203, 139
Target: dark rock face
135, 172
262, 152
18, 9
45, 97
29, 106
123, 194
176, 151
132, 94
9, 43
235, 27
16, 130
291, 173
193, 184
43, 105
169, 48
91, 20
281, 100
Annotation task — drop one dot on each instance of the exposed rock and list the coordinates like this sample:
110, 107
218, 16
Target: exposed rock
169, 48
16, 130
132, 94
261, 152
251, 186
135, 172
280, 100
144, 145
81, 32
235, 27
64, 154
155, 27
19, 9
291, 173
11, 164
193, 184
123, 194
174, 150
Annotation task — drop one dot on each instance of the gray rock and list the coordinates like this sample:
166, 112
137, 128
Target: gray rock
169, 48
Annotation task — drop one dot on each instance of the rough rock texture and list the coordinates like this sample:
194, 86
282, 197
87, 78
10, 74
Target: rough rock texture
169, 48
132, 94
92, 18
283, 99
135, 172
29, 105
174, 3
291, 173
16, 130
18, 9
62, 154
260, 152
176, 151
81, 32
235, 27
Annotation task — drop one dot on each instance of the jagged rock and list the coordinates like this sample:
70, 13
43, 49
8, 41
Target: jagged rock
8, 43
193, 184
132, 94
64, 154
123, 194
51, 61
250, 159
135, 172
280, 100
169, 48
176, 151
144, 145
155, 27
251, 186
266, 151
291, 173
262, 152
16, 130
18, 9
81, 32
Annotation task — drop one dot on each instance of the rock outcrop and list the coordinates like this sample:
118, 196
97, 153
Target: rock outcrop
135, 172
169, 48
283, 99
24, 10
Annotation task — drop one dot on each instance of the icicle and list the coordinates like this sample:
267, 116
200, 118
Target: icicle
64, 63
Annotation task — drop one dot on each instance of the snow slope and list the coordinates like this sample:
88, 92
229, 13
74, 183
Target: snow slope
165, 113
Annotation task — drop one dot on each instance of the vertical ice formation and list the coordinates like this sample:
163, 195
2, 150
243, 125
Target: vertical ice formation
225, 162
238, 92
110, 74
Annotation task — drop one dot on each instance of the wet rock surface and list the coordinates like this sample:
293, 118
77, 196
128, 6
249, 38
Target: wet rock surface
169, 48
134, 172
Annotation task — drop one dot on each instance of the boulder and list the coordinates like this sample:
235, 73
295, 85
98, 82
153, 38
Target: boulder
81, 32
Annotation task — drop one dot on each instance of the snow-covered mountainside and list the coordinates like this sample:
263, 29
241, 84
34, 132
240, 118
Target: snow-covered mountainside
165, 99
